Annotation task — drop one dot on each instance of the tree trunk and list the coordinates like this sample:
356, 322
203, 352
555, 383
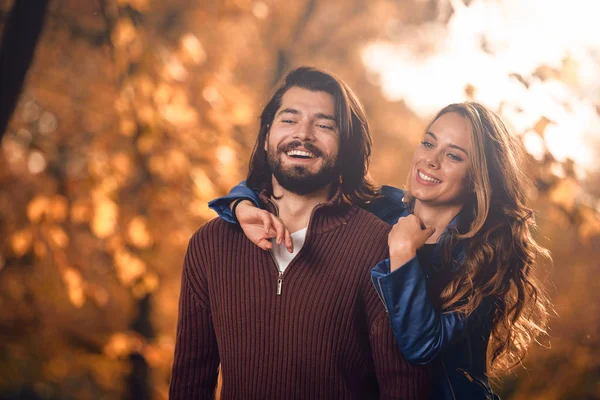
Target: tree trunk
21, 34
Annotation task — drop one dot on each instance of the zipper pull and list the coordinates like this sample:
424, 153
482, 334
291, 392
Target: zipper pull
279, 283
466, 374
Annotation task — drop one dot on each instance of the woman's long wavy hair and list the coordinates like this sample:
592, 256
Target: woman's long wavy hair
500, 251
355, 183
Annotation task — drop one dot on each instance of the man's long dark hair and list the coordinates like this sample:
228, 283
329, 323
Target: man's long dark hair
355, 184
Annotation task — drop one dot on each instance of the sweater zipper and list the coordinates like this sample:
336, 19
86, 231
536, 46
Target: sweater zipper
279, 274
279, 283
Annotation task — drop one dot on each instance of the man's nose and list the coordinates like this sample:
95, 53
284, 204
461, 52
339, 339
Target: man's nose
305, 131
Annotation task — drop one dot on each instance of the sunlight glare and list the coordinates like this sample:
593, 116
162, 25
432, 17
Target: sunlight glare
528, 59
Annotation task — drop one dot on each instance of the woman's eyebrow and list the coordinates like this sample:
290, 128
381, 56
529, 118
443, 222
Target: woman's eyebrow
450, 145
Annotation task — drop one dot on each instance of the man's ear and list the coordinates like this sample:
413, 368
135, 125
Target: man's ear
267, 137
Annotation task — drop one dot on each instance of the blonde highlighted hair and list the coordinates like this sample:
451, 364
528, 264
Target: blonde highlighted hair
501, 253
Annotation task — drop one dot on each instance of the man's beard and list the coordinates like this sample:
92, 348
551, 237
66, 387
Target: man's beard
299, 179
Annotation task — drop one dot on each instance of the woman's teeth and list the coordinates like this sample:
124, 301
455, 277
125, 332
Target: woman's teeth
428, 178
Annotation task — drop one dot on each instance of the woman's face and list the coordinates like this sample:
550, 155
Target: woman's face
440, 165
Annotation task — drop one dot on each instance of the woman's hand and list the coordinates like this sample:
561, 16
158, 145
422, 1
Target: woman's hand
406, 237
260, 226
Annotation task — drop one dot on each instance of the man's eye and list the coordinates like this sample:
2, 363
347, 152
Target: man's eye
287, 121
325, 127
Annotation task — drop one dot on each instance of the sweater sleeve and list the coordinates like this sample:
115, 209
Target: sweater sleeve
196, 362
422, 332
221, 204
397, 378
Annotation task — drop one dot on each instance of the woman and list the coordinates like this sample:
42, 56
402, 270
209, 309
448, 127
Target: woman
459, 285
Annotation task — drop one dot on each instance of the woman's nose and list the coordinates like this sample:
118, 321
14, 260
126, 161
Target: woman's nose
432, 159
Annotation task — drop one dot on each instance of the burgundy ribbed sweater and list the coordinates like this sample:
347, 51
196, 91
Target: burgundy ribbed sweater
326, 336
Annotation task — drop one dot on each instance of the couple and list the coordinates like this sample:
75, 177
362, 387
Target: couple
347, 306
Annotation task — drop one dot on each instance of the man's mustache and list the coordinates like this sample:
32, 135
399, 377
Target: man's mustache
295, 144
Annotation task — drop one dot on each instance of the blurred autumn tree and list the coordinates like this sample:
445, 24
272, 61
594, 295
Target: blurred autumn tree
135, 113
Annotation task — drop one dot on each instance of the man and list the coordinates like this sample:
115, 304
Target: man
309, 325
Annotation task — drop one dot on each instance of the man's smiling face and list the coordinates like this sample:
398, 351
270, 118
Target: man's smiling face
303, 142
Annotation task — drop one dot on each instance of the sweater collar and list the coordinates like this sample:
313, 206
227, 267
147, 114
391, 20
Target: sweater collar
324, 217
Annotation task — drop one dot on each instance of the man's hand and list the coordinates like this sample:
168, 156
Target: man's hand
261, 226
406, 237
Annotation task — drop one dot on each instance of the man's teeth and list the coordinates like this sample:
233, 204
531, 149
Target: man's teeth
300, 153
428, 178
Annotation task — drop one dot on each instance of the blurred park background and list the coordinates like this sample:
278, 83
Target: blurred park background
134, 113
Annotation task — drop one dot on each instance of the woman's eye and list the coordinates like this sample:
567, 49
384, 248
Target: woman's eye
455, 157
427, 144
287, 121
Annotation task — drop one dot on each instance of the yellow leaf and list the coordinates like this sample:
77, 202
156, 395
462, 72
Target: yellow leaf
203, 186
590, 225
98, 294
58, 237
124, 32
565, 193
178, 162
122, 344
21, 241
199, 208
242, 114
139, 5
75, 286
147, 285
139, 291
155, 356
180, 115
127, 127
146, 143
157, 164
58, 208
122, 166
138, 232
37, 207
146, 114
80, 212
226, 155
40, 249
192, 49
174, 69
129, 267
145, 86
104, 221
163, 94
151, 282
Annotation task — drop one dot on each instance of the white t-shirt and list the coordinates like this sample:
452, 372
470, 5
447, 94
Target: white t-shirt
282, 256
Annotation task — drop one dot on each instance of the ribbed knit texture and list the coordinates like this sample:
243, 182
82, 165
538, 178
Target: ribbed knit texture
327, 336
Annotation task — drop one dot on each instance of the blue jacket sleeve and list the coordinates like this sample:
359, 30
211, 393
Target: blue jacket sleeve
421, 331
221, 205
389, 207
